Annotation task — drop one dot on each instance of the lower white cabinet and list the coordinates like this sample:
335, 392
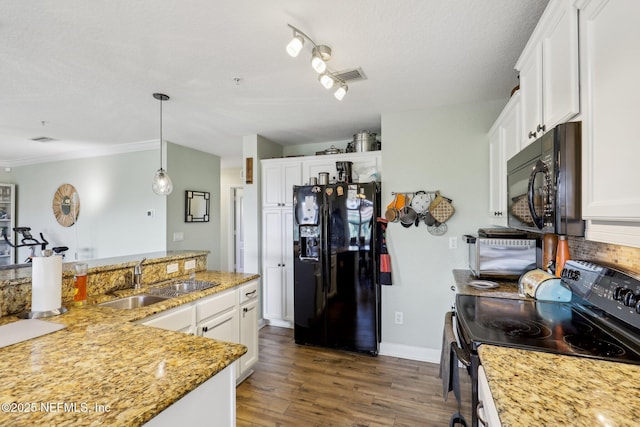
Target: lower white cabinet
215, 397
277, 266
217, 317
248, 298
486, 409
230, 315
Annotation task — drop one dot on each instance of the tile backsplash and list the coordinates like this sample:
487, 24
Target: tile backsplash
624, 257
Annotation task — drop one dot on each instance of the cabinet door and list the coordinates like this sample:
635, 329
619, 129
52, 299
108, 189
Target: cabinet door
223, 327
287, 265
531, 95
560, 84
610, 66
272, 184
272, 252
486, 409
249, 334
181, 319
291, 175
496, 178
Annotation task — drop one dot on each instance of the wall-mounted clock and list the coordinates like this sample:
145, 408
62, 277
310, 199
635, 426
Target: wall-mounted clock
66, 205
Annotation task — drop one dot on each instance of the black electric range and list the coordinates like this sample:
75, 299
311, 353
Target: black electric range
602, 321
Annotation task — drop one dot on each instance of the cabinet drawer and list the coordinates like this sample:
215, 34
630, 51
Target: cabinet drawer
179, 319
215, 305
249, 292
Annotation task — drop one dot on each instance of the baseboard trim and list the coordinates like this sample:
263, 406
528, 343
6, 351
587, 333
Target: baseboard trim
410, 352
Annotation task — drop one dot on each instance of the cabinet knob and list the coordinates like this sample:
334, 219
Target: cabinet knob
480, 412
541, 128
248, 294
532, 134
245, 309
205, 328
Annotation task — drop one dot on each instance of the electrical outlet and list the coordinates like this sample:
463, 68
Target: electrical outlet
453, 243
172, 268
190, 265
399, 318
178, 236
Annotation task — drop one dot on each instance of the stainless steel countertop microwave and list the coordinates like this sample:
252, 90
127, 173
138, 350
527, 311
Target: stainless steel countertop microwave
544, 183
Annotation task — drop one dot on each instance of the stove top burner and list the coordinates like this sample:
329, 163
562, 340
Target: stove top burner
519, 328
538, 325
594, 346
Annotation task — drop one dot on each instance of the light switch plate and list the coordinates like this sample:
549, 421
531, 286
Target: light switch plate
172, 268
190, 265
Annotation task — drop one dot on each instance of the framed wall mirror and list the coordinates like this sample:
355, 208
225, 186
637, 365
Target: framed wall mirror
196, 206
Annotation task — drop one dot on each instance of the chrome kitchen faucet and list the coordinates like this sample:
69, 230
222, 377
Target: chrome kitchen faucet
137, 274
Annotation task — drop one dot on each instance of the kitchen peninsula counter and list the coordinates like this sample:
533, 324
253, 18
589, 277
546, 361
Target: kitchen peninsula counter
102, 369
532, 388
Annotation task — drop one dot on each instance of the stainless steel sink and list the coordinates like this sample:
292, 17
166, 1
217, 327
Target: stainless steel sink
134, 301
186, 287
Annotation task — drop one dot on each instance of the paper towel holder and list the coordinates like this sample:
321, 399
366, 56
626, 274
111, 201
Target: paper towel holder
42, 314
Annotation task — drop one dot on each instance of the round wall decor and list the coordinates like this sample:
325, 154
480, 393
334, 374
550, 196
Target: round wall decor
66, 205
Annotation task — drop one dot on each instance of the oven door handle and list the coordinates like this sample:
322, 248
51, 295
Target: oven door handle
463, 356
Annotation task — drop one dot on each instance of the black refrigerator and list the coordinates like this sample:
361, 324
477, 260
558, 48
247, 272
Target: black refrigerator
336, 297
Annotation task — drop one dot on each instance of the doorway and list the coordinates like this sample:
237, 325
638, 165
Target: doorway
237, 197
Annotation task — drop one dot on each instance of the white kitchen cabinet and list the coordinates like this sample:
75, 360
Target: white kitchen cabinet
364, 165
230, 315
610, 65
486, 409
504, 142
217, 317
249, 316
214, 399
7, 223
277, 266
549, 71
278, 178
180, 319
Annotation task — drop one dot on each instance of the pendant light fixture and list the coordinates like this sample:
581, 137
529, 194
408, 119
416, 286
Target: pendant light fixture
162, 184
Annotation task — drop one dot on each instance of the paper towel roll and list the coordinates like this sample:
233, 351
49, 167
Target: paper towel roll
46, 283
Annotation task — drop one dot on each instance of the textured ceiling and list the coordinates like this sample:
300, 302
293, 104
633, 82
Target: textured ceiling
83, 72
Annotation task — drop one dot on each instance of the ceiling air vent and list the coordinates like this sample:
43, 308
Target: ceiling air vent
352, 75
43, 139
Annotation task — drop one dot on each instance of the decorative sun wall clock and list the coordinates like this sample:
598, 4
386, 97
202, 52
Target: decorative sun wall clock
66, 205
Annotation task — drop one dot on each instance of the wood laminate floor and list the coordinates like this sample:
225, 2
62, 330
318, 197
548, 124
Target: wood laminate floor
297, 385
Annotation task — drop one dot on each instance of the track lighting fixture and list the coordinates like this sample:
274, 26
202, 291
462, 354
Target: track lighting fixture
162, 184
320, 55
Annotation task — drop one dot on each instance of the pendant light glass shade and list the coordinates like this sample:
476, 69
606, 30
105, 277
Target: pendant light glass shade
161, 184
295, 45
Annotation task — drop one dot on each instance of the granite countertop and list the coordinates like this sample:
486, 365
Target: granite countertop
532, 388
103, 361
506, 288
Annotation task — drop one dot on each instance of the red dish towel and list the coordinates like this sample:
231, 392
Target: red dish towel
384, 263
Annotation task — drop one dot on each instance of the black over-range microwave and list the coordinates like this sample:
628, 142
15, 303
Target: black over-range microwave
543, 183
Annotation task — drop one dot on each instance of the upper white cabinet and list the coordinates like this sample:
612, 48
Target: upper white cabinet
610, 66
278, 178
549, 71
504, 142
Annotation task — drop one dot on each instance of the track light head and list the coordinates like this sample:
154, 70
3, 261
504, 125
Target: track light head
341, 92
295, 45
319, 57
326, 80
